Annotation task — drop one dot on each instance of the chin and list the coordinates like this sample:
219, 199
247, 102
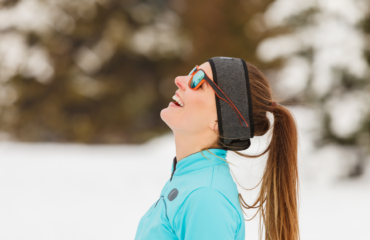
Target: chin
164, 115
169, 120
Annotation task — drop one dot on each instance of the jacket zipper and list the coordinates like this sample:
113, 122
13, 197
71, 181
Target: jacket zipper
173, 172
174, 168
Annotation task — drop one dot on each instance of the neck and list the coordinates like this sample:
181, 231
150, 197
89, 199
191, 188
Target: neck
187, 145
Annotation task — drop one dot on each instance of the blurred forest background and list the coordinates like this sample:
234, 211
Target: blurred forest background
100, 71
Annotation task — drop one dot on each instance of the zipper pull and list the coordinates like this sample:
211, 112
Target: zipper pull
174, 167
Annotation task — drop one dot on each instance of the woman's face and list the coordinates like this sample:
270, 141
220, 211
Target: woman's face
199, 113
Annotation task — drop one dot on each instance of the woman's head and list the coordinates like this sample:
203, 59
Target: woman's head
277, 201
198, 116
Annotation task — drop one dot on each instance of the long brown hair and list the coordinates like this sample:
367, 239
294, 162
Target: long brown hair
277, 201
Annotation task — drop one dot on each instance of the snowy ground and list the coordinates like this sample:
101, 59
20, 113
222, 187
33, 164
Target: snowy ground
55, 191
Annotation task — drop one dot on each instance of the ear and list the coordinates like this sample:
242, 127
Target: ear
214, 125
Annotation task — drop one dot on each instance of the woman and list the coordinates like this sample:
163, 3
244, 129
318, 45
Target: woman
218, 107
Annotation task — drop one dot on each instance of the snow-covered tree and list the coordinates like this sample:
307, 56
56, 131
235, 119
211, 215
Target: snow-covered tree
326, 66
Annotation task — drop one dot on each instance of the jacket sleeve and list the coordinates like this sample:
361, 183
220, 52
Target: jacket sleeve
206, 215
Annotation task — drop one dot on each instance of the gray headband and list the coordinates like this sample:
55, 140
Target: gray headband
231, 75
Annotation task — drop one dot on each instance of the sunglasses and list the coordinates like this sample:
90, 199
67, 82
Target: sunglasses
198, 77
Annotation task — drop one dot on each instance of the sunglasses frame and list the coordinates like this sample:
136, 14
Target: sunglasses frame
219, 93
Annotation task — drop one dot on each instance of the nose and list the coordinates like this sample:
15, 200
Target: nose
181, 81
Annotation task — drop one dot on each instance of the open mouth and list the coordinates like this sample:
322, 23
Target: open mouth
176, 103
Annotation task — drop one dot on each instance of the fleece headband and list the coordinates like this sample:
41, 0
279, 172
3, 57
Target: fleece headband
231, 75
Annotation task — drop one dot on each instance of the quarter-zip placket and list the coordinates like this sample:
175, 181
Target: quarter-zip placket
174, 167
173, 172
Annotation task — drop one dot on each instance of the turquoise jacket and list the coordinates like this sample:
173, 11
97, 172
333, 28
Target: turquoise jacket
199, 202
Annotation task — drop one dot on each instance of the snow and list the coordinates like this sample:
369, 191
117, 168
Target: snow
76, 191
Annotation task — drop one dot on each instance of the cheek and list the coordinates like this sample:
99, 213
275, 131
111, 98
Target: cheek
195, 101
201, 107
195, 108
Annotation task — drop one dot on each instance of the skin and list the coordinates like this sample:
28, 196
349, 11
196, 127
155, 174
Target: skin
193, 125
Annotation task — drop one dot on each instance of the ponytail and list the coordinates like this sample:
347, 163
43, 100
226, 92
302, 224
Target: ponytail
277, 201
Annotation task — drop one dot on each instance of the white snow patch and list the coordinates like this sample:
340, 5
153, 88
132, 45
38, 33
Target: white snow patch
75, 191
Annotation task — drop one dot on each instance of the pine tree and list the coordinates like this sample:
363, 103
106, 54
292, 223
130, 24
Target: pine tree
325, 51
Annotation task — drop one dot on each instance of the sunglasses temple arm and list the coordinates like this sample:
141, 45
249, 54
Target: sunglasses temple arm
232, 105
242, 122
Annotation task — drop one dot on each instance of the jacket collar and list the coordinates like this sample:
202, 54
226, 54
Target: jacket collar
197, 161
